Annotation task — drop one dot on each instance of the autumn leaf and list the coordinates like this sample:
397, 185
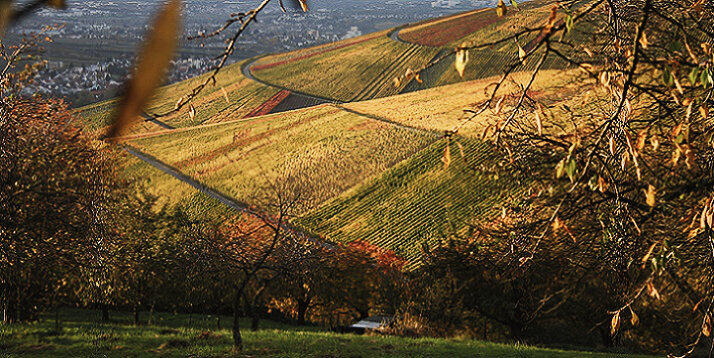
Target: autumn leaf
643, 40
225, 95
462, 58
615, 323
153, 61
447, 156
601, 184
501, 9
634, 319
192, 112
707, 326
539, 121
652, 291
650, 194
521, 54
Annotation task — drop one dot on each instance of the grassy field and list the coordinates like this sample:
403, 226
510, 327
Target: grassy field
82, 335
357, 72
233, 97
327, 149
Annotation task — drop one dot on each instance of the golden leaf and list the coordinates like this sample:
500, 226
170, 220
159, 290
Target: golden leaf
151, 67
704, 111
649, 253
447, 156
539, 122
462, 58
707, 326
615, 323
225, 95
652, 291
501, 9
397, 82
601, 184
641, 140
634, 320
678, 84
650, 193
499, 105
703, 217
521, 54
643, 40
417, 77
676, 154
192, 112
605, 78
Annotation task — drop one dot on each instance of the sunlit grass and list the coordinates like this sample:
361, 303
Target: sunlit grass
83, 335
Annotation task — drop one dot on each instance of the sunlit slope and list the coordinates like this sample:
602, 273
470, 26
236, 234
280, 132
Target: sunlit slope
232, 97
479, 24
323, 150
418, 202
171, 193
362, 70
443, 108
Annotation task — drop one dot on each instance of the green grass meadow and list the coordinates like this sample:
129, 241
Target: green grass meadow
81, 334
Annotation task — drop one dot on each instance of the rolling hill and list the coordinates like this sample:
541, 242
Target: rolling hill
366, 156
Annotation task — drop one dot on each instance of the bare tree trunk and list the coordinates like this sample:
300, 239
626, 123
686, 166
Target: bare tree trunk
151, 314
255, 320
105, 312
237, 339
136, 315
302, 310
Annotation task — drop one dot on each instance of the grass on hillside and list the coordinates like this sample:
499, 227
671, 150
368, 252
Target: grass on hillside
231, 98
361, 71
442, 108
82, 335
327, 149
419, 201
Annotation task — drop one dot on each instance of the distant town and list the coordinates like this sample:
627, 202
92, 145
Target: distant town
95, 43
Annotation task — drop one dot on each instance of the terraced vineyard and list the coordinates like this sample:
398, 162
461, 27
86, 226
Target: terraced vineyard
357, 72
416, 202
328, 150
442, 108
233, 97
452, 30
370, 169
441, 32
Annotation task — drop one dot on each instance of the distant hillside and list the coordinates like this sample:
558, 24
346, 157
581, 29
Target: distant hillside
369, 160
